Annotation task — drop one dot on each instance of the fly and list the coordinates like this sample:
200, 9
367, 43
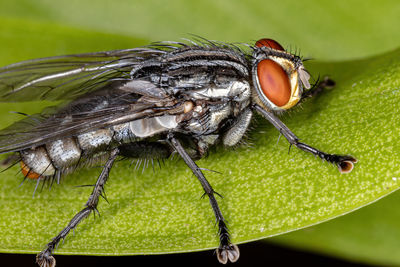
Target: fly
147, 103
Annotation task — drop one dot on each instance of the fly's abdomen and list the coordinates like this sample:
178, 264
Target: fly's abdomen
62, 154
96, 140
36, 163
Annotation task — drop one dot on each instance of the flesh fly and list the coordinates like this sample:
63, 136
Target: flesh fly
150, 102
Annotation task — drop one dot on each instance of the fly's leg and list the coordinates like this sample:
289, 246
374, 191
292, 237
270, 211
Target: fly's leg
325, 83
45, 258
226, 250
345, 163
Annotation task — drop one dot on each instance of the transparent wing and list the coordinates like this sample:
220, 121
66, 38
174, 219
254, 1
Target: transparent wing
102, 109
67, 77
82, 78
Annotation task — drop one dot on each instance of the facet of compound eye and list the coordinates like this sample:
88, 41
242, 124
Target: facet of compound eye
274, 82
269, 43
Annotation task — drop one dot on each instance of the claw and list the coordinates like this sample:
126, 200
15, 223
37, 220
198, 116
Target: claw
45, 259
228, 252
346, 164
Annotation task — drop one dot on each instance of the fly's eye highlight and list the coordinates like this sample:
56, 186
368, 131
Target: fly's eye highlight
274, 82
269, 43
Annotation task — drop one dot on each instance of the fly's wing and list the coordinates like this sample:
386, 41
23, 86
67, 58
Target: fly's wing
115, 104
83, 76
67, 77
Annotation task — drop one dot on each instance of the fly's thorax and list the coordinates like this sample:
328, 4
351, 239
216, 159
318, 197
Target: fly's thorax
235, 90
123, 133
214, 105
150, 126
206, 118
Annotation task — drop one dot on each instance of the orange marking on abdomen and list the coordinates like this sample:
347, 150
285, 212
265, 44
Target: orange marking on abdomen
27, 172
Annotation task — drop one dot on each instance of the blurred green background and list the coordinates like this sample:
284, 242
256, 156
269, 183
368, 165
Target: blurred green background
323, 30
326, 30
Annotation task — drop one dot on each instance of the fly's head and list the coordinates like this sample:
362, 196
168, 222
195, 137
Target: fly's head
279, 77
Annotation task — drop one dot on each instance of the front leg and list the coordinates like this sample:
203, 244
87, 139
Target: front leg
345, 163
226, 251
326, 83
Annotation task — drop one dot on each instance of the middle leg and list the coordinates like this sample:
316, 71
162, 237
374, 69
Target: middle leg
226, 250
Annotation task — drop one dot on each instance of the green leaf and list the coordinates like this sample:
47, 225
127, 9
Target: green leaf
266, 190
369, 235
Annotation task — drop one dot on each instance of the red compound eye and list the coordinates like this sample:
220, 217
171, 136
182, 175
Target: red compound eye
269, 43
274, 82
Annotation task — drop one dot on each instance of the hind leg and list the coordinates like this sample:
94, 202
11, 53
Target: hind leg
45, 258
